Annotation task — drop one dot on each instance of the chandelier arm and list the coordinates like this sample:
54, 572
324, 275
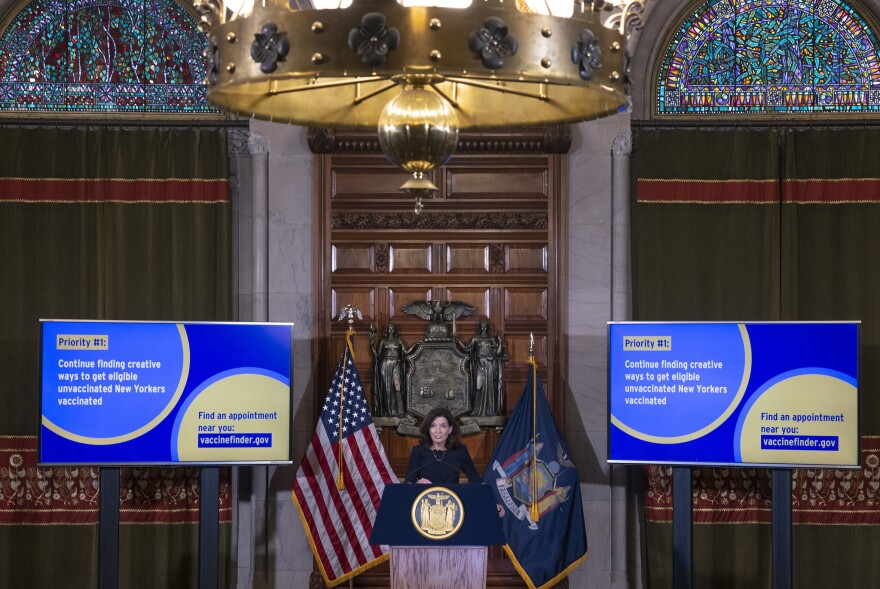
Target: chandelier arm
273, 90
468, 82
376, 92
445, 96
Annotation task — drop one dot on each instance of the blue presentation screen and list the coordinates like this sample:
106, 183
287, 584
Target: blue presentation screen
115, 392
772, 394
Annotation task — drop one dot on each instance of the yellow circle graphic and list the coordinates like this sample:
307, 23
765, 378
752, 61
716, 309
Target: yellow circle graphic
806, 419
243, 417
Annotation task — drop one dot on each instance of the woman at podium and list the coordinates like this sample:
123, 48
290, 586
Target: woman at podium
440, 458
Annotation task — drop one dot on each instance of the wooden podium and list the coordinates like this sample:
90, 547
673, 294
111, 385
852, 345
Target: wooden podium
438, 534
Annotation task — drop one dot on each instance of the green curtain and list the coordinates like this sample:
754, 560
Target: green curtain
773, 224
830, 237
705, 229
829, 242
99, 223
716, 193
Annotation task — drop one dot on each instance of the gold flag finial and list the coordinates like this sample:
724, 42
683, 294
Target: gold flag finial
348, 312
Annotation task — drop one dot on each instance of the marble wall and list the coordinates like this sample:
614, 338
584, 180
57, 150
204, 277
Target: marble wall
272, 551
271, 547
598, 292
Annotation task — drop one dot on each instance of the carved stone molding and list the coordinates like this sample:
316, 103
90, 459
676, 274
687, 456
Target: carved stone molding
439, 221
622, 144
550, 139
323, 139
257, 144
245, 142
557, 138
238, 141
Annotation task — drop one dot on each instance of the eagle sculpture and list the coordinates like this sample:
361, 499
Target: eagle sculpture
438, 313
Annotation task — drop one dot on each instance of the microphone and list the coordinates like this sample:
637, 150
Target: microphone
412, 472
457, 470
460, 471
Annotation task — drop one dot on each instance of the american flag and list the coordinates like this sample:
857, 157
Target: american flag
339, 522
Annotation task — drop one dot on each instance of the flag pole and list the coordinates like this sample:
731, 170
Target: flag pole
347, 312
533, 512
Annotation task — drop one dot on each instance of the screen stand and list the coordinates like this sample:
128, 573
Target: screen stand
108, 530
209, 526
781, 517
682, 528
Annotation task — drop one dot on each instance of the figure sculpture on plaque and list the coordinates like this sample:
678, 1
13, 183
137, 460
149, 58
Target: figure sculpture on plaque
487, 352
439, 370
389, 372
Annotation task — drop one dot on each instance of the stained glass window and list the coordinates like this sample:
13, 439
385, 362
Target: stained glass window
771, 56
122, 56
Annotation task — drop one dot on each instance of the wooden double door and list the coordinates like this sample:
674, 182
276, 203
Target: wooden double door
493, 237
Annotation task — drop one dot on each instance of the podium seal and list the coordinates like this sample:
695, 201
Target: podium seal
437, 513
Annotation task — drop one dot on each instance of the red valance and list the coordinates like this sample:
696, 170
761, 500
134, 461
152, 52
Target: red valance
69, 495
742, 495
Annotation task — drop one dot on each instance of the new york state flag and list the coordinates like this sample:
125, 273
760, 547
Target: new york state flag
536, 488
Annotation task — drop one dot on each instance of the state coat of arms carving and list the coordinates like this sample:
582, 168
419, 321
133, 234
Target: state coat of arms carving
438, 370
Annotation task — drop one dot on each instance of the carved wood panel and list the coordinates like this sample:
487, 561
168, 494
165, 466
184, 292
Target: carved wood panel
467, 258
357, 258
410, 258
525, 257
525, 304
492, 237
489, 180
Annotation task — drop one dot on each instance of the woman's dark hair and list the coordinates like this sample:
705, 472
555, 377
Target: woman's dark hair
454, 428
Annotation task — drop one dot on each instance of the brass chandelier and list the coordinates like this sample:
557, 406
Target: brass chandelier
417, 74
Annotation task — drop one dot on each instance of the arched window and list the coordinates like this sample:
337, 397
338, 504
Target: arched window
771, 57
104, 56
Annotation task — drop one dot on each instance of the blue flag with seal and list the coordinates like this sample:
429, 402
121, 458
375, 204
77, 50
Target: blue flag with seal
537, 491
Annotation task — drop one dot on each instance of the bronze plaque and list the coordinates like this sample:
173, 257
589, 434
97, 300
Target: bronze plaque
438, 375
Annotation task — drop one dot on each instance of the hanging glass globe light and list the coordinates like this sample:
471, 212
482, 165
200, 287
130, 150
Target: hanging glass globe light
418, 131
